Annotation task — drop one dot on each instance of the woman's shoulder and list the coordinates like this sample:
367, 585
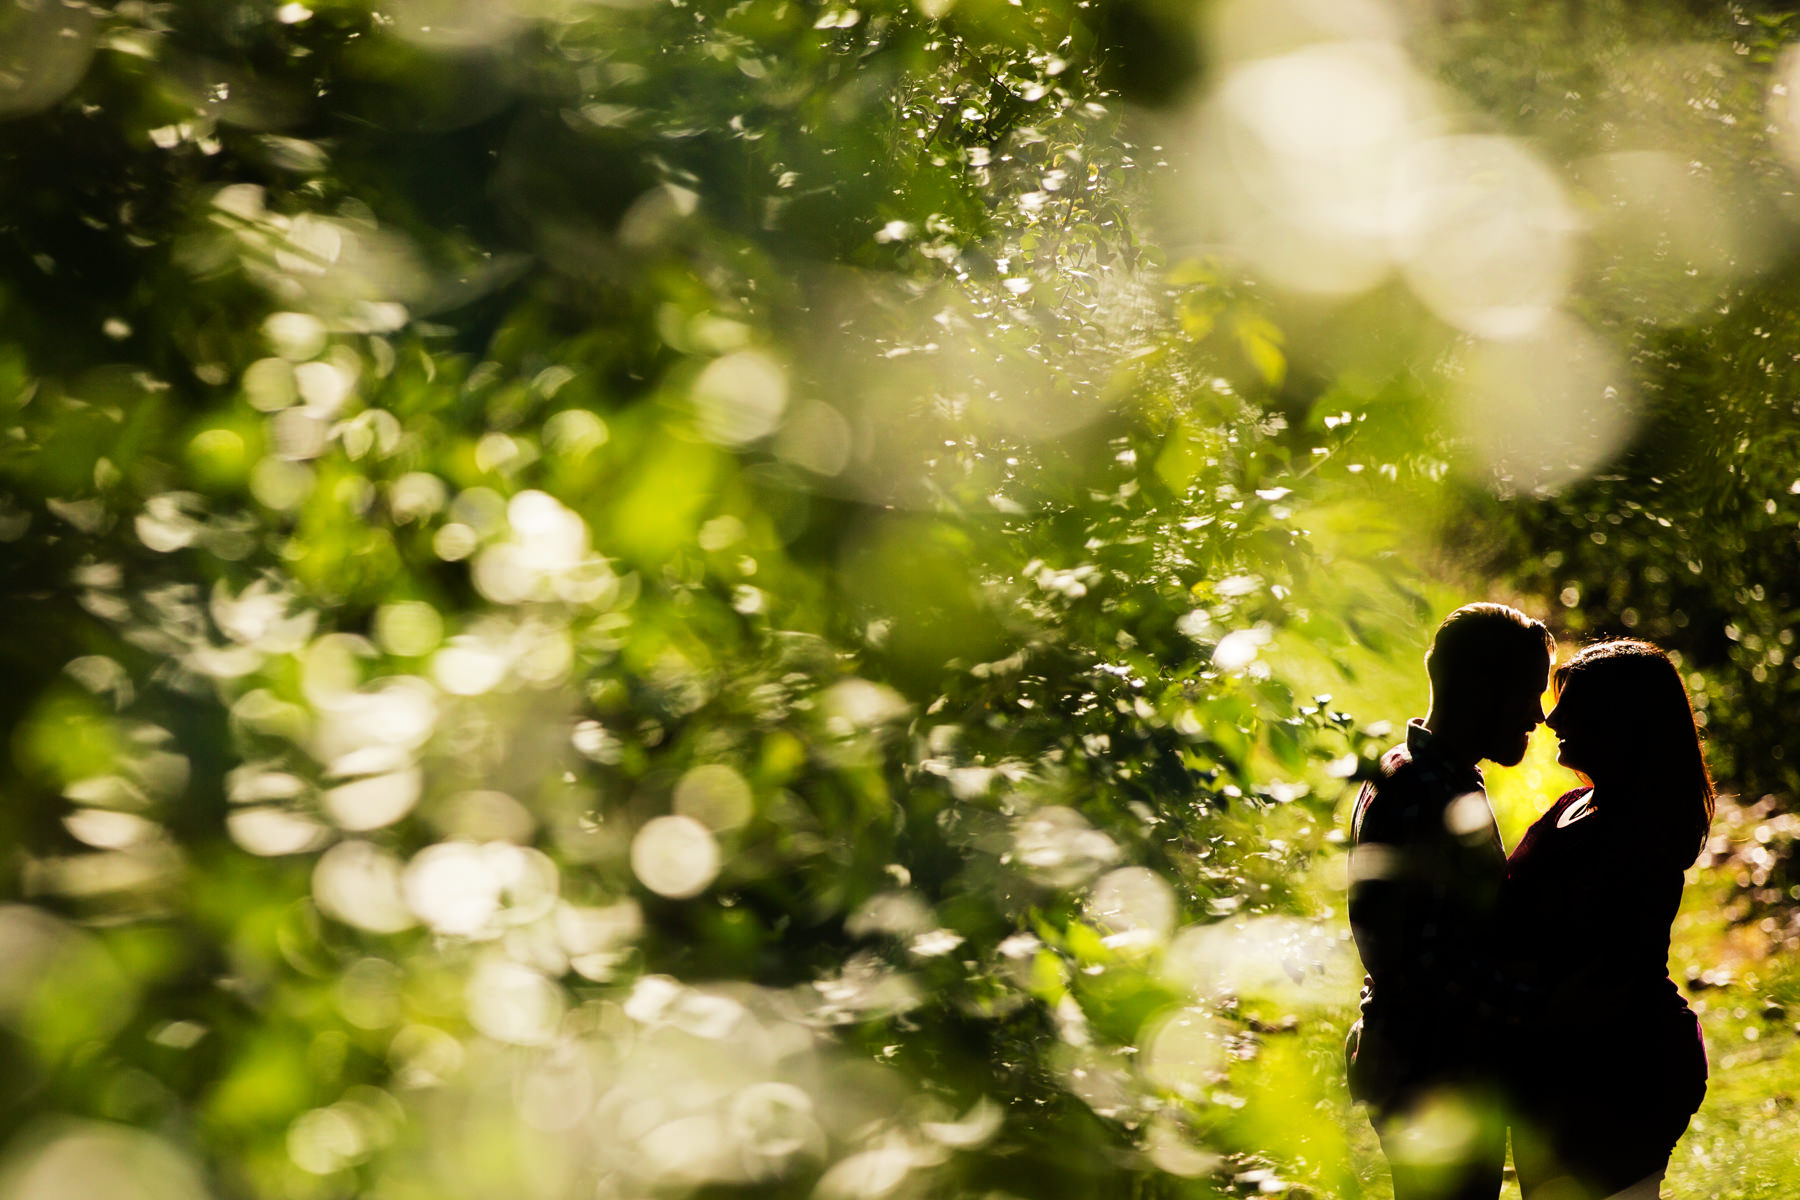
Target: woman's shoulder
1572, 803
1576, 802
1557, 816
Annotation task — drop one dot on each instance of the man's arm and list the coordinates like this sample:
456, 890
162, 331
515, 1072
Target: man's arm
1417, 890
1392, 904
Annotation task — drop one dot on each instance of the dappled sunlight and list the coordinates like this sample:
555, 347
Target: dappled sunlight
1659, 224
59, 1160
1290, 962
45, 49
675, 856
1483, 234
1312, 138
1544, 410
1331, 166
1343, 164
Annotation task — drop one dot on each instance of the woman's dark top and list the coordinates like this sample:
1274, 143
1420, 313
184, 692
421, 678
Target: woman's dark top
1604, 1039
1587, 907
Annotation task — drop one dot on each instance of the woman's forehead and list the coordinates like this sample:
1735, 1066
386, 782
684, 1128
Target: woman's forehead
1573, 681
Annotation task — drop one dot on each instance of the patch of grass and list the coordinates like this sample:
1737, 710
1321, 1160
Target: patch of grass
1744, 1143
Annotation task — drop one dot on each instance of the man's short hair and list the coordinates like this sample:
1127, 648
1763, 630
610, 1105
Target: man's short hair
1478, 640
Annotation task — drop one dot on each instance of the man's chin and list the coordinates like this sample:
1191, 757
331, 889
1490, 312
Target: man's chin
1510, 756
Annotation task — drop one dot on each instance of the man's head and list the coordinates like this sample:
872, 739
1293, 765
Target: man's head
1489, 665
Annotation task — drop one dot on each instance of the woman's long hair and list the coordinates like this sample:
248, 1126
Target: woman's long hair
1649, 714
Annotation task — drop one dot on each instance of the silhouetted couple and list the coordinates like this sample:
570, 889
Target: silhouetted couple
1530, 991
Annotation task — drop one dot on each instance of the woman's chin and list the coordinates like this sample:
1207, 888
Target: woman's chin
1562, 760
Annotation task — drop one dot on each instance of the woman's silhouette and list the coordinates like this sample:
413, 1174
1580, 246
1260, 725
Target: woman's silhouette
1609, 1064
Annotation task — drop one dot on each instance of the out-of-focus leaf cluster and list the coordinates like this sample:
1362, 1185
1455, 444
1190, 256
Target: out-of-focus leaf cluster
640, 599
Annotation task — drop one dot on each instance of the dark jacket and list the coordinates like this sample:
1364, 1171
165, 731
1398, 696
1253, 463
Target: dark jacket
1427, 866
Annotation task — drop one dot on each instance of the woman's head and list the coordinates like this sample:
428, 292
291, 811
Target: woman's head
1622, 714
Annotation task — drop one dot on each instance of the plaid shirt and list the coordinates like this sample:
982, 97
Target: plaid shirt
1426, 867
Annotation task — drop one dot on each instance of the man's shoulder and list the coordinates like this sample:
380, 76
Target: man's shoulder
1390, 802
1394, 760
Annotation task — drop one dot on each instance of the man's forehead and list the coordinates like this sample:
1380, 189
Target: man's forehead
1526, 667
1532, 668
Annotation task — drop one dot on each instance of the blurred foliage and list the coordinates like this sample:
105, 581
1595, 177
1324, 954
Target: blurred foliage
644, 598
683, 598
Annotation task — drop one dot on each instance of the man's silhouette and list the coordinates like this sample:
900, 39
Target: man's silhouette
1426, 868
